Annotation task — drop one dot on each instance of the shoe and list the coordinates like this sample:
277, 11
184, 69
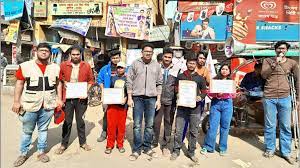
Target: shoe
134, 156
174, 156
60, 150
268, 154
121, 150
43, 158
20, 160
86, 147
154, 145
288, 159
203, 151
151, 153
101, 139
165, 152
223, 153
194, 159
108, 151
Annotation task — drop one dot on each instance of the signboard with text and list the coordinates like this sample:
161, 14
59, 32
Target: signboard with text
80, 26
93, 7
13, 9
40, 8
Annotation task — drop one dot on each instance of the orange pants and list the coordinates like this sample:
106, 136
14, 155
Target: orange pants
116, 120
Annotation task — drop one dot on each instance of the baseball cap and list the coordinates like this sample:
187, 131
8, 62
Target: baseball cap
121, 64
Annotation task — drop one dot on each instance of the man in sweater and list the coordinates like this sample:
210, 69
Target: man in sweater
144, 89
277, 100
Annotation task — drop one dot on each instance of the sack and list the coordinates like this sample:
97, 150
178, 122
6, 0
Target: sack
59, 115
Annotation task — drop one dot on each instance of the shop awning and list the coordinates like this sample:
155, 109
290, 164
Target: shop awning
270, 53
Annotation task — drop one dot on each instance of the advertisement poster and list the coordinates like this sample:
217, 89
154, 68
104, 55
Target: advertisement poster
91, 7
129, 22
80, 26
13, 9
40, 8
216, 28
13, 31
248, 13
133, 54
204, 20
14, 54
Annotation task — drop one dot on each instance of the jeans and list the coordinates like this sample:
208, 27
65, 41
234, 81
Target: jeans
143, 107
166, 113
79, 106
42, 119
282, 108
184, 114
221, 111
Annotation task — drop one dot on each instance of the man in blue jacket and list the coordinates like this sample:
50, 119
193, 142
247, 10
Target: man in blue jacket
104, 80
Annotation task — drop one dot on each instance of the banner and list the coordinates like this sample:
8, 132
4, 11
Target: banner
80, 26
216, 28
160, 33
239, 68
40, 8
13, 9
91, 7
248, 13
13, 31
129, 22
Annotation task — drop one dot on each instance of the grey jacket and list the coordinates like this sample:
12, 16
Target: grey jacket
144, 79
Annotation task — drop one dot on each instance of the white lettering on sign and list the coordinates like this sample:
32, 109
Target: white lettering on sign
273, 27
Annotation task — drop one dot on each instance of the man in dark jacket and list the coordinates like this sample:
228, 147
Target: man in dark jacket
187, 113
167, 97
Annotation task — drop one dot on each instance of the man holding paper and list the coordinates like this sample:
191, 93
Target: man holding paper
144, 89
76, 77
189, 86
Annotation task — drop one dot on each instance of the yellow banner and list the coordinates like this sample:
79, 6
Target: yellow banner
13, 31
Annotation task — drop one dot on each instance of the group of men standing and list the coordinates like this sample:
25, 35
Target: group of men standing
151, 91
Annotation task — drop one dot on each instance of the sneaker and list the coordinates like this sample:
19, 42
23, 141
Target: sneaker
151, 153
203, 151
134, 156
223, 153
268, 154
101, 139
174, 156
288, 159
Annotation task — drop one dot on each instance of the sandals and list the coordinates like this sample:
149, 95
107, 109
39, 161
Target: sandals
134, 156
86, 147
108, 150
60, 150
20, 160
121, 150
43, 158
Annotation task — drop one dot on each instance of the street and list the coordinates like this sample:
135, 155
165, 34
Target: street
244, 151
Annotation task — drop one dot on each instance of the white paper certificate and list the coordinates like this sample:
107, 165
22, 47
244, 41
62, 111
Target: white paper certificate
187, 93
76, 90
222, 86
113, 95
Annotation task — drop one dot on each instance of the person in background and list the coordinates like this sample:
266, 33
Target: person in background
117, 113
144, 89
74, 71
104, 80
277, 100
38, 79
220, 115
167, 98
159, 58
203, 31
187, 113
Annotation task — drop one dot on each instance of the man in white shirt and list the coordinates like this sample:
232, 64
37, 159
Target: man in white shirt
203, 31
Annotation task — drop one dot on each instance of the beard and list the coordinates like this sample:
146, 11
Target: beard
75, 61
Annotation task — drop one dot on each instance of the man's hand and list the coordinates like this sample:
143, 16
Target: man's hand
59, 103
124, 101
16, 107
130, 102
198, 99
157, 105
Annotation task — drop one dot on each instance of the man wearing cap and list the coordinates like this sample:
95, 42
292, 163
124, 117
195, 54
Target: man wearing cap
74, 71
117, 113
38, 79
